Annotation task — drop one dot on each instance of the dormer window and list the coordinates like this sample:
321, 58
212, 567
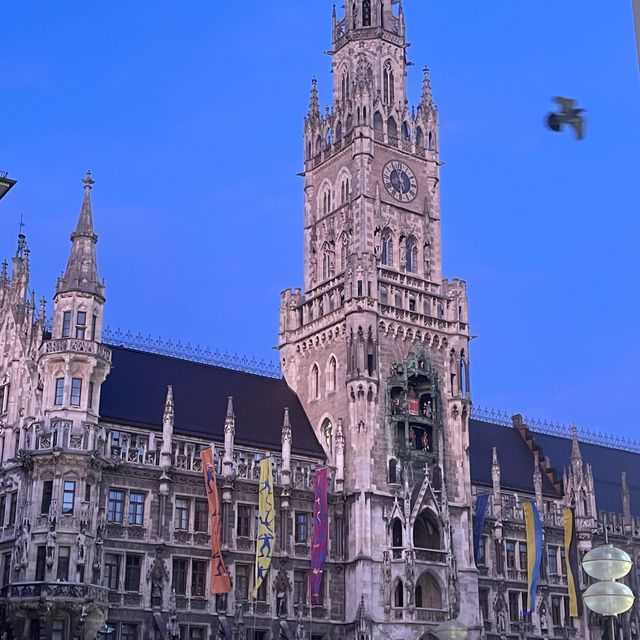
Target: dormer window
66, 324
81, 325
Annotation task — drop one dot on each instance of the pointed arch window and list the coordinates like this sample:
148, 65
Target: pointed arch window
327, 434
412, 255
378, 125
396, 534
349, 123
345, 84
398, 595
430, 141
332, 374
392, 130
393, 472
428, 594
338, 131
387, 250
314, 383
406, 132
419, 137
388, 83
426, 533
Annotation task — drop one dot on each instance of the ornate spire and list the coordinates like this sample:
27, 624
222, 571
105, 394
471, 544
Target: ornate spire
169, 407
314, 103
230, 419
286, 427
427, 94
82, 269
576, 454
537, 479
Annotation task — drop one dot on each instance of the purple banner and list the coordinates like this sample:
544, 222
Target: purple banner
320, 535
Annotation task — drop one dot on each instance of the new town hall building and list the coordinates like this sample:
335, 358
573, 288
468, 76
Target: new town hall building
103, 515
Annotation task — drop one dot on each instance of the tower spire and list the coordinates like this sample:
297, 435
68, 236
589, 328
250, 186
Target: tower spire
314, 103
82, 268
427, 94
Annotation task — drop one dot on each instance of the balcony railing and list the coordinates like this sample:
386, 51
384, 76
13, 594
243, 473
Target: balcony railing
53, 591
72, 345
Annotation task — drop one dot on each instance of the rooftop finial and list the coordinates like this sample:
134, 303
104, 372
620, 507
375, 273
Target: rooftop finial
88, 181
314, 103
427, 94
575, 446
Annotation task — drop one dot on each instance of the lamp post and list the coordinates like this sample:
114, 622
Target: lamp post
452, 630
607, 597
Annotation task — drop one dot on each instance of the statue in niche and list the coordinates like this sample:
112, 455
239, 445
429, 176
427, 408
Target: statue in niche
410, 575
51, 546
81, 543
282, 587
386, 579
21, 548
158, 575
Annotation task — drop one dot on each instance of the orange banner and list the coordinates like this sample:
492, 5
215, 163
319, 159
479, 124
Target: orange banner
220, 578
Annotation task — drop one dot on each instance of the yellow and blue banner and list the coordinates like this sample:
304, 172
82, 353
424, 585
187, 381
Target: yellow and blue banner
571, 554
534, 550
266, 525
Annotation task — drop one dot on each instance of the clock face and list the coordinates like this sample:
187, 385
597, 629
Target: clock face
400, 181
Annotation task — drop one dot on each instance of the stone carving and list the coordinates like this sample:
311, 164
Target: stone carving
386, 580
81, 543
21, 548
173, 628
51, 546
158, 575
410, 575
282, 587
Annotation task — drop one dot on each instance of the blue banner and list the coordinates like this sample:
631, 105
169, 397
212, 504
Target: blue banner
482, 505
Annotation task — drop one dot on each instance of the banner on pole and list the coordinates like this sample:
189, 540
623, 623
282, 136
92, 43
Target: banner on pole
320, 534
266, 525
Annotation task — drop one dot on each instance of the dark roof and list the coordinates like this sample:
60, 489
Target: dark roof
514, 456
135, 391
516, 463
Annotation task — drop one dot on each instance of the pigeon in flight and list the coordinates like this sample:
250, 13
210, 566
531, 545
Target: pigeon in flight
569, 115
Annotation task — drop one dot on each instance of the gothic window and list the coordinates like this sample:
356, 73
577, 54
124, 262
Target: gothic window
398, 595
412, 255
371, 357
318, 145
364, 114
338, 131
398, 300
419, 137
428, 594
388, 83
345, 84
426, 533
309, 154
358, 119
396, 534
406, 133
327, 138
68, 496
349, 123
81, 325
326, 201
430, 141
377, 122
392, 129
332, 374
327, 262
366, 13
384, 295
314, 386
76, 391
387, 250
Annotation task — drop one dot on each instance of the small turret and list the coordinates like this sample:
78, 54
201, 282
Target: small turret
286, 449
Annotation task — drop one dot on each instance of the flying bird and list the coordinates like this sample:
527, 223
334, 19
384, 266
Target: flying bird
569, 114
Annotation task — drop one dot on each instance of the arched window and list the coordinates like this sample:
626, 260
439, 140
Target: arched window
419, 137
388, 83
377, 122
384, 295
318, 145
327, 262
412, 255
406, 133
393, 471
364, 114
344, 191
314, 383
387, 250
332, 374
392, 128
358, 120
349, 123
327, 138
428, 594
396, 534
309, 153
366, 13
345, 84
398, 595
326, 201
430, 141
338, 131
426, 533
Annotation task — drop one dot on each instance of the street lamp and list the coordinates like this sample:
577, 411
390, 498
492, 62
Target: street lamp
452, 630
608, 597
5, 184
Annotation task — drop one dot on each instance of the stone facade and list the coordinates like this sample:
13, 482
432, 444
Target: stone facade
103, 523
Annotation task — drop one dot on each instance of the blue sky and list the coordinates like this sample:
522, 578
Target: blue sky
190, 117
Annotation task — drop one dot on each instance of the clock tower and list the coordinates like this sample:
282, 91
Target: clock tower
376, 345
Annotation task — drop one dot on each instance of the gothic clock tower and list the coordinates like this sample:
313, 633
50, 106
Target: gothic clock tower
377, 343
